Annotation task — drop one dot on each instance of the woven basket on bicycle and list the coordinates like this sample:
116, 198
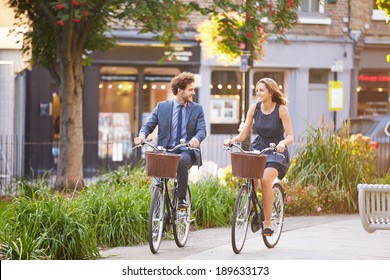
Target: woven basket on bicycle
161, 165
248, 165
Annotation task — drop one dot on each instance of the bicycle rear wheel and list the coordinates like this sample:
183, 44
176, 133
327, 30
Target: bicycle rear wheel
240, 219
156, 219
277, 218
181, 223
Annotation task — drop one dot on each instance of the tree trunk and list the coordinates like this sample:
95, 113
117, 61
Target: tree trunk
71, 144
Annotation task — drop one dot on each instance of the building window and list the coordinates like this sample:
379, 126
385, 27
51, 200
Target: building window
377, 14
318, 76
311, 6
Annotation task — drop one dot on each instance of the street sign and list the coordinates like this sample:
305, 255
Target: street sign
244, 63
337, 66
335, 96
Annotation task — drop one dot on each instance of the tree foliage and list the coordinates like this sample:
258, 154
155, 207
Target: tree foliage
384, 5
239, 28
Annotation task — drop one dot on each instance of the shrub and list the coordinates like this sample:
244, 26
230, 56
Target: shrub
48, 226
334, 166
118, 212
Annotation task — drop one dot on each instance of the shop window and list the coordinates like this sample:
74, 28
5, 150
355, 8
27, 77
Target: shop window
318, 76
117, 112
373, 92
225, 108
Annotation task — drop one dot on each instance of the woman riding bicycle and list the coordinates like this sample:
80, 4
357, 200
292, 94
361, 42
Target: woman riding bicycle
180, 118
273, 125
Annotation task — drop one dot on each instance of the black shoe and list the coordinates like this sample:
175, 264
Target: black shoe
255, 223
182, 203
268, 231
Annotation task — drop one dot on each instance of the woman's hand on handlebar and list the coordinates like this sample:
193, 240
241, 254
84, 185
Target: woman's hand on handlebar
194, 143
280, 147
227, 142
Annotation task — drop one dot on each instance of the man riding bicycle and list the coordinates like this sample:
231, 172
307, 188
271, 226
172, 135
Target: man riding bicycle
177, 119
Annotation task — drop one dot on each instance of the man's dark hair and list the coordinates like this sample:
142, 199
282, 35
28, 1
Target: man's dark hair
181, 81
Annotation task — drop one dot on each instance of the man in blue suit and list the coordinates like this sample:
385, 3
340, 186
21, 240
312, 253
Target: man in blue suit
180, 118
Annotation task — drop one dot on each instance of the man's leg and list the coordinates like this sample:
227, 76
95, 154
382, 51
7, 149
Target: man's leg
187, 159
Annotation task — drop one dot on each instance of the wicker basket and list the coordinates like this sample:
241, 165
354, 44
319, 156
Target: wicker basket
247, 165
161, 165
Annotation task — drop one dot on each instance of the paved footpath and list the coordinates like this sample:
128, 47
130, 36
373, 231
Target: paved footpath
324, 237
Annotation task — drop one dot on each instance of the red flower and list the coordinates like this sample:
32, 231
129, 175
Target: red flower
84, 13
147, 18
260, 8
60, 6
60, 22
85, 4
75, 3
77, 20
249, 34
290, 3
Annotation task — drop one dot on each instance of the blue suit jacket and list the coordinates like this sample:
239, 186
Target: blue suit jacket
162, 116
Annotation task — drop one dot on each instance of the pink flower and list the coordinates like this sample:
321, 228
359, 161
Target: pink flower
75, 3
319, 209
77, 20
288, 198
311, 186
242, 46
60, 22
84, 13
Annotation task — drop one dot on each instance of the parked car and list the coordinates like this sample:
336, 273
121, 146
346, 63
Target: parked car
378, 129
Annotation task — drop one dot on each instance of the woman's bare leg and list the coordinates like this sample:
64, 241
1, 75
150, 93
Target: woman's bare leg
268, 197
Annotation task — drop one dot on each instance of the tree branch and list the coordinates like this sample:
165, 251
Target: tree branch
50, 16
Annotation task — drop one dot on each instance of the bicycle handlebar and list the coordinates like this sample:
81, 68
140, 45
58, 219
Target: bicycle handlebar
272, 147
182, 143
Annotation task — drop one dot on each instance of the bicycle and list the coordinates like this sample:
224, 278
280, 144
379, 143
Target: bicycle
250, 166
164, 214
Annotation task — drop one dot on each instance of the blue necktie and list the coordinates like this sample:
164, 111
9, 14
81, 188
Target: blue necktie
179, 124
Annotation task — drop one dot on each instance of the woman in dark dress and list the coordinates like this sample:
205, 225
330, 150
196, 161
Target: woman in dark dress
273, 125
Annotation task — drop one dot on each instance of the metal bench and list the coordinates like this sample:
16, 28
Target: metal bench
374, 206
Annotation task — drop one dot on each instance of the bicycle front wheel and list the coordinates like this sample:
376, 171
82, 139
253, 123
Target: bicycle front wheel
181, 224
240, 219
277, 218
156, 219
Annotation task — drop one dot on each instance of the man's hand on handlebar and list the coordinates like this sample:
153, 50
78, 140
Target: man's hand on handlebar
139, 140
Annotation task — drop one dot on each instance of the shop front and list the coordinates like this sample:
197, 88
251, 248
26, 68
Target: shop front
373, 82
121, 88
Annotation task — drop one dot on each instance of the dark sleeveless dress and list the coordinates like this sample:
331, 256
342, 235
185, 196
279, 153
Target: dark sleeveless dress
270, 130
